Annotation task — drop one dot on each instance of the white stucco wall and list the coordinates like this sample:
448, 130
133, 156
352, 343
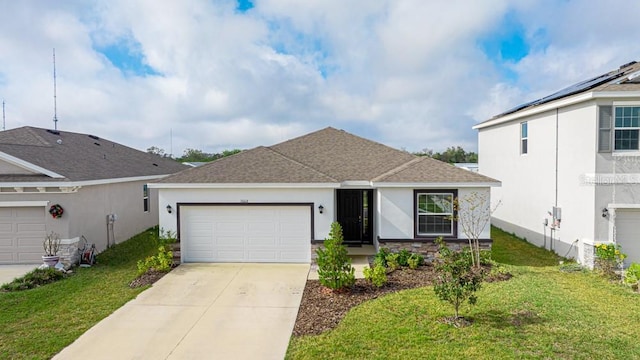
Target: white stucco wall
324, 197
528, 189
395, 211
85, 211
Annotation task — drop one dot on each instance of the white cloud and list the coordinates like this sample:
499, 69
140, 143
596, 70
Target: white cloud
407, 73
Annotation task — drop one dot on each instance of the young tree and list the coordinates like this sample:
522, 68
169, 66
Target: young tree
457, 280
334, 265
473, 213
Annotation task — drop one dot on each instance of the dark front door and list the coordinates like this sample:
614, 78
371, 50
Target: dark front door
355, 214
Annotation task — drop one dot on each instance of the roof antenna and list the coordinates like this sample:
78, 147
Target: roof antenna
3, 117
55, 105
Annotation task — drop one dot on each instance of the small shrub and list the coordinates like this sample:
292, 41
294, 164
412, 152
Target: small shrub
632, 275
392, 261
381, 257
415, 260
33, 279
334, 265
608, 259
161, 262
376, 275
403, 257
457, 280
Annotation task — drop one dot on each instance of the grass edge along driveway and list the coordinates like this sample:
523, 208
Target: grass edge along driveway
38, 323
540, 313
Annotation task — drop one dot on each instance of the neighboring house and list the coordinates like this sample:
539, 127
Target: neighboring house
277, 203
577, 151
100, 185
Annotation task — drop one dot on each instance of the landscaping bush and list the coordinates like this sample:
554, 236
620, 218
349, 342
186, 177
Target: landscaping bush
457, 280
608, 259
381, 257
415, 260
161, 262
392, 261
403, 257
334, 265
33, 279
632, 275
377, 275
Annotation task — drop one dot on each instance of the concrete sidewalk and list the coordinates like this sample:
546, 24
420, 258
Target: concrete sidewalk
9, 272
202, 311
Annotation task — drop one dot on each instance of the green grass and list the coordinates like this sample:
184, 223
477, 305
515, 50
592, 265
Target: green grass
541, 313
38, 323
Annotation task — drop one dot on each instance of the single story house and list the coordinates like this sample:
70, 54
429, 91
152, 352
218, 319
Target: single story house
570, 166
99, 185
277, 203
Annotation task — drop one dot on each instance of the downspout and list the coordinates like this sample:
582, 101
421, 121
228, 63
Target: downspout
556, 179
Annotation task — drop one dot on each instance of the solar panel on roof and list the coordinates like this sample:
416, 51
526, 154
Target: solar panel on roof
573, 89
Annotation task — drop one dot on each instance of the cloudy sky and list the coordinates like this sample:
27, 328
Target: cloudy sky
216, 75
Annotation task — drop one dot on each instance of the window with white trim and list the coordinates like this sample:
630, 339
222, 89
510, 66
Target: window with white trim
145, 198
434, 214
524, 137
627, 128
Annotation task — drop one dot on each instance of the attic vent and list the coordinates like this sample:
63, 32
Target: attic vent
54, 132
59, 141
95, 143
154, 164
94, 137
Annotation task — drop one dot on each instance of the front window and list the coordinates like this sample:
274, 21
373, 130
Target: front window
524, 137
434, 213
627, 128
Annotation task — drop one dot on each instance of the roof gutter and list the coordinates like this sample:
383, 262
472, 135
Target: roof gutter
78, 184
243, 185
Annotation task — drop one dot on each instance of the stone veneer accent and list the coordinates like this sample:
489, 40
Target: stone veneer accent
426, 248
69, 254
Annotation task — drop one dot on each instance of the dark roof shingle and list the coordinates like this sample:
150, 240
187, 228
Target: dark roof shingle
326, 156
81, 157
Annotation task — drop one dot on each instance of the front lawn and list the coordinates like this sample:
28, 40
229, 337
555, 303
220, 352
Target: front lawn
540, 313
38, 323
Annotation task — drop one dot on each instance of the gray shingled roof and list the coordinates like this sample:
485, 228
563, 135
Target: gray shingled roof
326, 156
79, 157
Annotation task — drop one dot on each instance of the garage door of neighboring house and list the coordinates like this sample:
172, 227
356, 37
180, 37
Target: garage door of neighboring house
246, 233
22, 230
628, 233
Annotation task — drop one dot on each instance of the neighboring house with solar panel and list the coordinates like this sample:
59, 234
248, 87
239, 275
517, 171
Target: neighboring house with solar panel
570, 166
99, 185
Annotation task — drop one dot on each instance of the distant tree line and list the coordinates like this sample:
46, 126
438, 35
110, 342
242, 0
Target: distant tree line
193, 155
453, 154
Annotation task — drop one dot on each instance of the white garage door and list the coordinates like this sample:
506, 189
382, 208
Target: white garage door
22, 230
628, 234
245, 233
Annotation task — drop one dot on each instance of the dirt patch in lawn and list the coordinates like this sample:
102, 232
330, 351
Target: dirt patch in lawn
322, 309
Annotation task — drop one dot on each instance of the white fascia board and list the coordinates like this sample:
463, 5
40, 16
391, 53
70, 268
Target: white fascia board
28, 166
623, 206
243, 185
560, 104
437, 185
356, 183
23, 203
537, 109
78, 184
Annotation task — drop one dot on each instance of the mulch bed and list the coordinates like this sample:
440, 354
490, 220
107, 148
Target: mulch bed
322, 309
147, 278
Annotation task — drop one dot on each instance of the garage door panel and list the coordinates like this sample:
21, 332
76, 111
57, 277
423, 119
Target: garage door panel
22, 230
246, 233
628, 234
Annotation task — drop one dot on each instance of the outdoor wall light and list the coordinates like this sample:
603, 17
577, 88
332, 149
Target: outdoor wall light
605, 212
169, 209
321, 209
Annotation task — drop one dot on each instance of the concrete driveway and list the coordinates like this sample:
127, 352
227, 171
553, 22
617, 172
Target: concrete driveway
10, 272
202, 311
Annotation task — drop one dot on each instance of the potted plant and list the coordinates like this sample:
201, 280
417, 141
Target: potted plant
51, 246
